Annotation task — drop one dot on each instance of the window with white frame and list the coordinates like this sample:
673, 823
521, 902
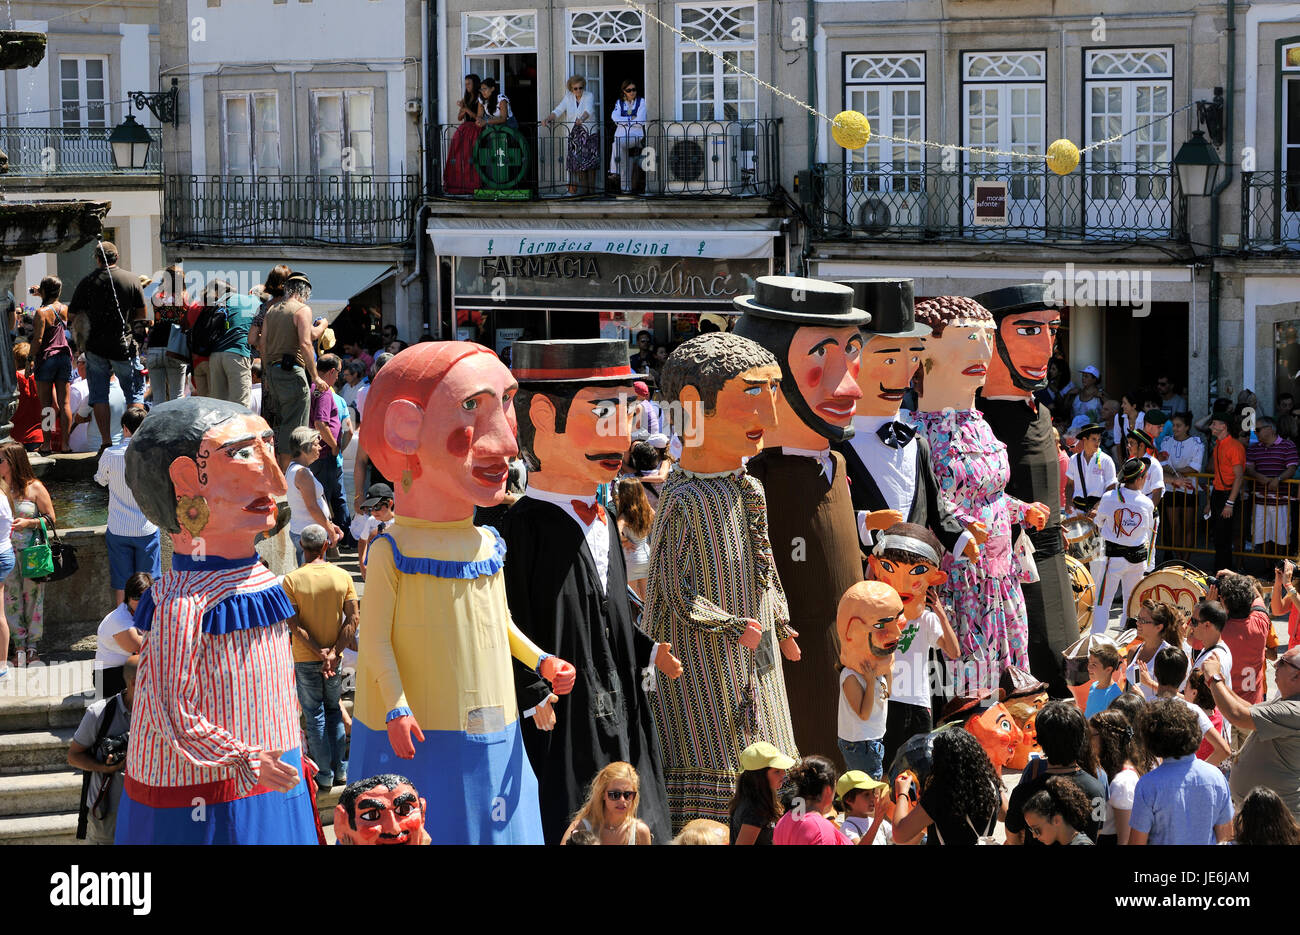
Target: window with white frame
1127, 91
83, 91
1289, 132
250, 133
344, 131
889, 88
708, 87
1004, 109
615, 28
500, 32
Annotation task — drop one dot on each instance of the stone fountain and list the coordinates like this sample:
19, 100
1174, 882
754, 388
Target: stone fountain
32, 227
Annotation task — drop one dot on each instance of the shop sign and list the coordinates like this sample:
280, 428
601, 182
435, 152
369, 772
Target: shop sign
990, 204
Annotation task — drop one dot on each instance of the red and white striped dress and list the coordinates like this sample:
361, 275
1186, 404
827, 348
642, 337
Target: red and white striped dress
207, 703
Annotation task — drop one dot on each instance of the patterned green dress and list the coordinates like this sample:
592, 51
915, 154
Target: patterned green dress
710, 567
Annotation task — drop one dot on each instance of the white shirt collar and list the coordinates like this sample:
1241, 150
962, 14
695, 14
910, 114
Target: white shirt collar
560, 499
863, 425
821, 455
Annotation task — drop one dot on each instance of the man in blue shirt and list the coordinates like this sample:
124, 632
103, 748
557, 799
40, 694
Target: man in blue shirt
1183, 800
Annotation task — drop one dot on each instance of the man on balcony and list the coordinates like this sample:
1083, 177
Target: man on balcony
290, 361
111, 299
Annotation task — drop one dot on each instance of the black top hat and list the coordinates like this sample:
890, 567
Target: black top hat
587, 360
802, 302
1092, 428
892, 304
1026, 297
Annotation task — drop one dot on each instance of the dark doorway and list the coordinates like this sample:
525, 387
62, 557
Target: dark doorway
1138, 350
521, 86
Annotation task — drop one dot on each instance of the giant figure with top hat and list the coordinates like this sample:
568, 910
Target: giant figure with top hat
435, 691
1026, 320
811, 328
566, 581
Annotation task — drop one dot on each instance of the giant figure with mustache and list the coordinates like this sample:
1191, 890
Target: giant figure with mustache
811, 328
1026, 320
567, 584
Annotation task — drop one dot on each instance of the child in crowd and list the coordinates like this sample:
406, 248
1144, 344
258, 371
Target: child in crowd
1114, 743
1264, 819
1166, 677
702, 831
811, 795
1055, 813
865, 806
755, 808
610, 810
133, 542
1197, 692
869, 621
374, 515
1103, 660
27, 427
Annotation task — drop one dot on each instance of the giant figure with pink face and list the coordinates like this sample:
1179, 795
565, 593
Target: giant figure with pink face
436, 636
811, 328
215, 716
1026, 319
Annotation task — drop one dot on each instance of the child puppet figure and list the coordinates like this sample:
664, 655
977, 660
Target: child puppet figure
907, 557
869, 625
436, 635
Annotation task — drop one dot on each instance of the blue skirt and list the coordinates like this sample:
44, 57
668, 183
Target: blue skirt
479, 788
268, 818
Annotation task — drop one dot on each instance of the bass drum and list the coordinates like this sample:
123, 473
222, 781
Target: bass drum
1085, 591
1172, 583
1081, 538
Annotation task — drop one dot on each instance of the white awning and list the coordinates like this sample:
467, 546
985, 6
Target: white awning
718, 240
333, 284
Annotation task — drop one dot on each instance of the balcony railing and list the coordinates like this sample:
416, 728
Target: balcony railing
672, 159
1270, 212
344, 209
61, 151
920, 201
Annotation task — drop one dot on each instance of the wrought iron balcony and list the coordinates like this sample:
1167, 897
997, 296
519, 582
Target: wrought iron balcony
63, 151
1020, 201
1270, 212
668, 159
344, 209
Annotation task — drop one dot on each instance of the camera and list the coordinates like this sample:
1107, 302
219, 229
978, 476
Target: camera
34, 290
112, 750
1211, 583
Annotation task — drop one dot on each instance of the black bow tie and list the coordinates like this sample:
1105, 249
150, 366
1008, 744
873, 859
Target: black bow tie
896, 434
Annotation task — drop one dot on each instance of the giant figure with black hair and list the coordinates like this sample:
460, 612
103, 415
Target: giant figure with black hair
713, 592
566, 581
811, 328
1026, 318
215, 716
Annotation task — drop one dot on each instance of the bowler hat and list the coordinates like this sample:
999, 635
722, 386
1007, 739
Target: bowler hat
892, 304
1092, 428
591, 361
1141, 437
963, 706
802, 302
1020, 683
1026, 297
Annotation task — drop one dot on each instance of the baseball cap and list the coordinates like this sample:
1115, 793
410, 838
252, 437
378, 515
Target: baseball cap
642, 391
1092, 370
763, 755
856, 779
375, 493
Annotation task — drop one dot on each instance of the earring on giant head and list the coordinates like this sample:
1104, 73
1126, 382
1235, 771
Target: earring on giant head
192, 513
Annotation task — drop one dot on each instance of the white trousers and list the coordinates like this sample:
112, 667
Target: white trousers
1119, 574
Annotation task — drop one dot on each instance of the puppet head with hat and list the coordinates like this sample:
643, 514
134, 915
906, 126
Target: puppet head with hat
205, 471
894, 341
987, 719
574, 409
811, 327
443, 424
726, 388
907, 557
1027, 317
1024, 697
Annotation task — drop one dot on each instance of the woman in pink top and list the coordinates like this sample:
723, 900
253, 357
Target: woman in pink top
813, 797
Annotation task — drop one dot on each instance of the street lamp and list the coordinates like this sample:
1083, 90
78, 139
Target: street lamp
130, 143
1198, 165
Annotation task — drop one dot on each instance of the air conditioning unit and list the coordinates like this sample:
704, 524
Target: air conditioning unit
697, 158
881, 211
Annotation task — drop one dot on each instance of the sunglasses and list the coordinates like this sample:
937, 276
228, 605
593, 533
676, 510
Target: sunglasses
631, 90
615, 794
1289, 661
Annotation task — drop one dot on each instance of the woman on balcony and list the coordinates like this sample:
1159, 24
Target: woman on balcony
629, 134
460, 177
493, 106
582, 150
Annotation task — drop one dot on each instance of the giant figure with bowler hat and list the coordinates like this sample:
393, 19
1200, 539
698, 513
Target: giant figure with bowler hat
811, 327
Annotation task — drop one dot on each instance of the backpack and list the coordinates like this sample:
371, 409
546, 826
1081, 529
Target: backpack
208, 330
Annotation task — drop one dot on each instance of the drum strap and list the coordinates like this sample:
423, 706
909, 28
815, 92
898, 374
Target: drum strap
1083, 477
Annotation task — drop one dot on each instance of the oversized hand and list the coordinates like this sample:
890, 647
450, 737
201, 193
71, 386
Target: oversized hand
979, 532
399, 736
559, 673
972, 549
1036, 515
544, 714
277, 776
883, 519
749, 639
667, 663
789, 648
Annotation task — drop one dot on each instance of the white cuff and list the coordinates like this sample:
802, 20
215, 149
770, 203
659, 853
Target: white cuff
959, 546
530, 712
865, 535
654, 654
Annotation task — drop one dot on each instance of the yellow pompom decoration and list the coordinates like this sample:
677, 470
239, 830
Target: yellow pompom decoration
1062, 157
851, 129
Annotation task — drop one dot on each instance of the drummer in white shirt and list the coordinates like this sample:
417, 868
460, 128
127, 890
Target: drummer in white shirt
1125, 518
1140, 445
1088, 475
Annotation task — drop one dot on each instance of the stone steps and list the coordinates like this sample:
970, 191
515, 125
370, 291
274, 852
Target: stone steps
35, 751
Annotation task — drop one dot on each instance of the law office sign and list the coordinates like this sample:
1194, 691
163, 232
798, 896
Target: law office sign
990, 204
